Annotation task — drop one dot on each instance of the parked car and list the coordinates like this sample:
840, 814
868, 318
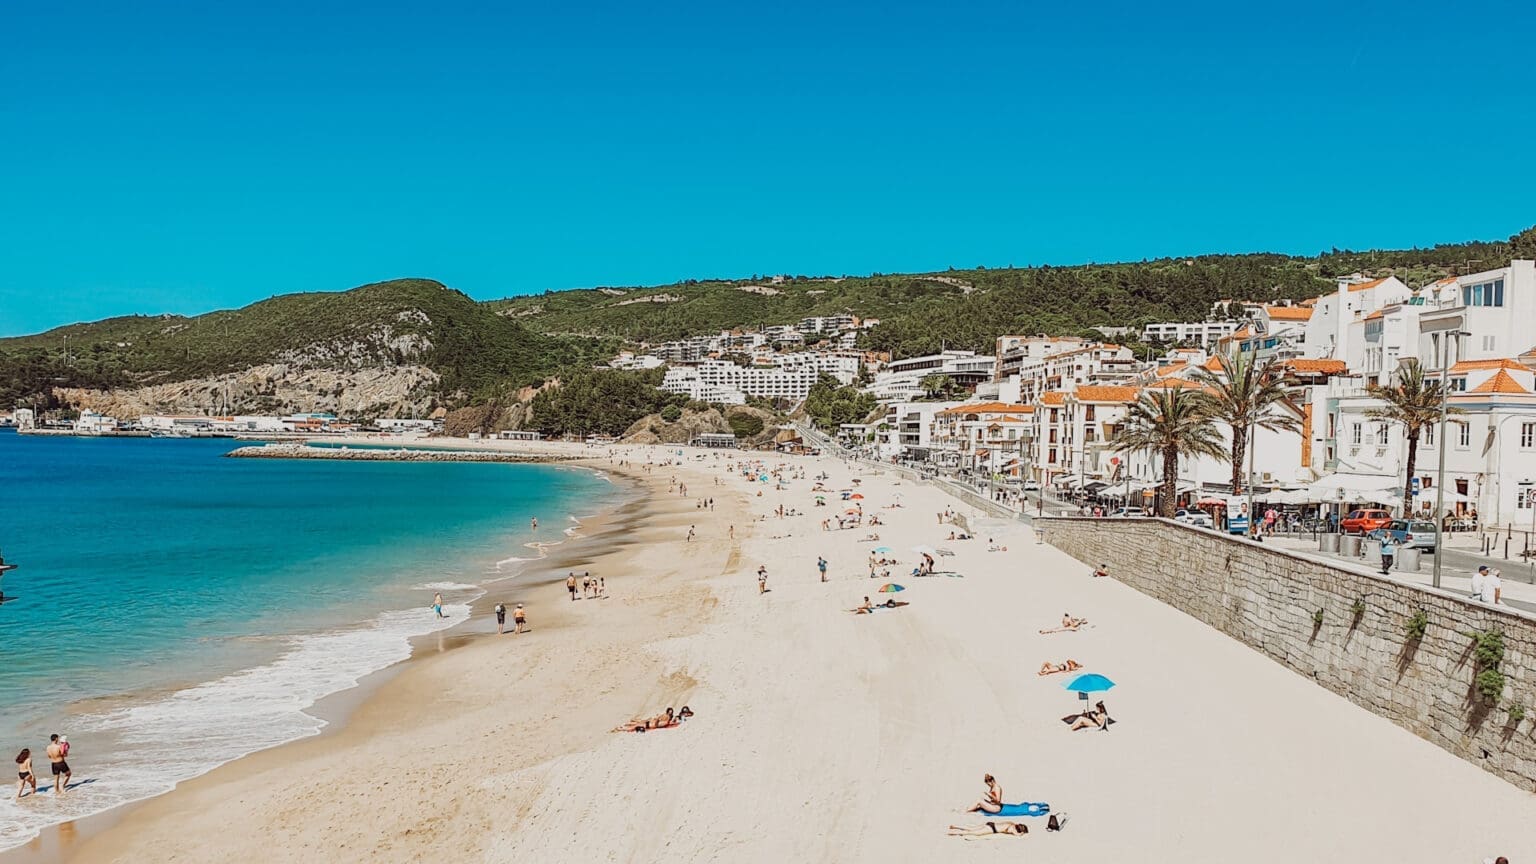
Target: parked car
1364, 521
1124, 512
1409, 534
1031, 486
1197, 518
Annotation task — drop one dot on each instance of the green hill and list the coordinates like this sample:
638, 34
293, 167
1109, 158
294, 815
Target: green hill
970, 308
405, 321
476, 348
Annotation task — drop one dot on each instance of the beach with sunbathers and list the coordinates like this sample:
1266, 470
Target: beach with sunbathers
833, 738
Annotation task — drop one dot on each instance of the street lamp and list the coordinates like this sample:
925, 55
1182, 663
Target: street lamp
1450, 327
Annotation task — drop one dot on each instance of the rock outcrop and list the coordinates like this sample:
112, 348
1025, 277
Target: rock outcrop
396, 391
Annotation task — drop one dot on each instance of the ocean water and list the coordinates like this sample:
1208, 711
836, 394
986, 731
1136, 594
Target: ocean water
175, 610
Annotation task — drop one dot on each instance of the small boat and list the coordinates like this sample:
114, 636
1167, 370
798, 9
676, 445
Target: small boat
4, 568
170, 433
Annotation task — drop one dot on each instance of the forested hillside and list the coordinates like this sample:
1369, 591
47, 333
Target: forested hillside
970, 308
473, 349
406, 321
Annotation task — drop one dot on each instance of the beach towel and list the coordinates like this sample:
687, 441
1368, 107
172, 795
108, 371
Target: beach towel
1023, 809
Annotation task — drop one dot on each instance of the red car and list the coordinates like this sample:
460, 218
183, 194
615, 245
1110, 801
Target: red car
1365, 521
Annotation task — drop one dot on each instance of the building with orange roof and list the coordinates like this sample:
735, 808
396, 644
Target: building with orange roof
979, 437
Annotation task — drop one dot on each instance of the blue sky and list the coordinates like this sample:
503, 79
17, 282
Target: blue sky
184, 157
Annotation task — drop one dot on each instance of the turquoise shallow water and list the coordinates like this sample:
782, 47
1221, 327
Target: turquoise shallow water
168, 594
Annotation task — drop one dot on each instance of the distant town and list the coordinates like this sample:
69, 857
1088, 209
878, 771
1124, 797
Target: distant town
1042, 412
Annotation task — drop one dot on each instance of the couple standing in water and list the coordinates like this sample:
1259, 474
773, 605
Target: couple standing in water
58, 752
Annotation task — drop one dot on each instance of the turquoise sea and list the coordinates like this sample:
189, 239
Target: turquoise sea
175, 610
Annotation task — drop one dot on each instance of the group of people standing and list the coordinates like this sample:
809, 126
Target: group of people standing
58, 756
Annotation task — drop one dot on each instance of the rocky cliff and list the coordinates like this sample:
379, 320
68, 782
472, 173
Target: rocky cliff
396, 391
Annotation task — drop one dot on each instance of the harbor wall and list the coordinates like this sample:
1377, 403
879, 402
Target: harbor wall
1349, 632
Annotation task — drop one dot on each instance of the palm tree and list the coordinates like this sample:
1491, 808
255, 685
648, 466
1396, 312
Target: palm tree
1414, 401
1174, 422
1244, 394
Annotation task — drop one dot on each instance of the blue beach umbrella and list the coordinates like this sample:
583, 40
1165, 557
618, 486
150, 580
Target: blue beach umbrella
883, 549
1089, 683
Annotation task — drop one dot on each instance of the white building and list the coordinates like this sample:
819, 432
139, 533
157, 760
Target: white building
898, 381
93, 423
1199, 332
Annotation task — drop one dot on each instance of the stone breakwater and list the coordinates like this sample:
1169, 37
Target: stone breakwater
299, 451
1416, 656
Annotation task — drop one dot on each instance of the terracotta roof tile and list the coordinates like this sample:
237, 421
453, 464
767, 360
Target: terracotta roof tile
1053, 397
1366, 286
1288, 313
1472, 365
1172, 369
1102, 393
1301, 364
1213, 364
1500, 383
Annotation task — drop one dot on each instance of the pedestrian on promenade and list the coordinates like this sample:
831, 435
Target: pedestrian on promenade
1388, 552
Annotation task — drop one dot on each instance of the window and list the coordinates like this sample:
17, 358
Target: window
1463, 435
1488, 343
1483, 294
1427, 436
1527, 436
1355, 434
1088, 412
1052, 458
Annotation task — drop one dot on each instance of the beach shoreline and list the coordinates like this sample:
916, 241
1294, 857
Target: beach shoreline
827, 736
575, 543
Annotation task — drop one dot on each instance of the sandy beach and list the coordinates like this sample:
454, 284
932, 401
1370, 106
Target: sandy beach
822, 735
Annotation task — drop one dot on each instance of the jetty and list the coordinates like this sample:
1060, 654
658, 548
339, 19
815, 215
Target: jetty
379, 454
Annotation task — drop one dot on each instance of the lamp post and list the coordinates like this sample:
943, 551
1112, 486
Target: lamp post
1451, 328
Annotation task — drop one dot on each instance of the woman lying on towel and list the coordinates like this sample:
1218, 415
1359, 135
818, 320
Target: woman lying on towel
1049, 668
665, 720
1067, 623
990, 829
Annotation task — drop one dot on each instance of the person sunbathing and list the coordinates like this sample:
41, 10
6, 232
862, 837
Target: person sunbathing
660, 721
1049, 668
893, 603
863, 609
990, 829
1067, 623
1101, 570
993, 801
1098, 718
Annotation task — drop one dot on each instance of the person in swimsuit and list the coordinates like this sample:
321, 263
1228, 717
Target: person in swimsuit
437, 604
864, 609
60, 768
570, 585
1067, 623
24, 773
1098, 718
990, 829
501, 619
1049, 668
519, 619
993, 802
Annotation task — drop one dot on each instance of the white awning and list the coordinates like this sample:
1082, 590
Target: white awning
1356, 487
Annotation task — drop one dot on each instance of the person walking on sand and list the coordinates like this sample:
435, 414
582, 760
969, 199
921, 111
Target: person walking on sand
24, 773
519, 620
570, 585
821, 564
60, 768
437, 604
731, 533
501, 619
762, 579
690, 534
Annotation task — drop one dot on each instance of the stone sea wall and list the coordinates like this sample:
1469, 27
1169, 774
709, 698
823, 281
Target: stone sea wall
1348, 631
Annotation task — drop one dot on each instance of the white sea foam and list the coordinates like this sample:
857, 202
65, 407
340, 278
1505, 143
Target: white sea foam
445, 586
160, 743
